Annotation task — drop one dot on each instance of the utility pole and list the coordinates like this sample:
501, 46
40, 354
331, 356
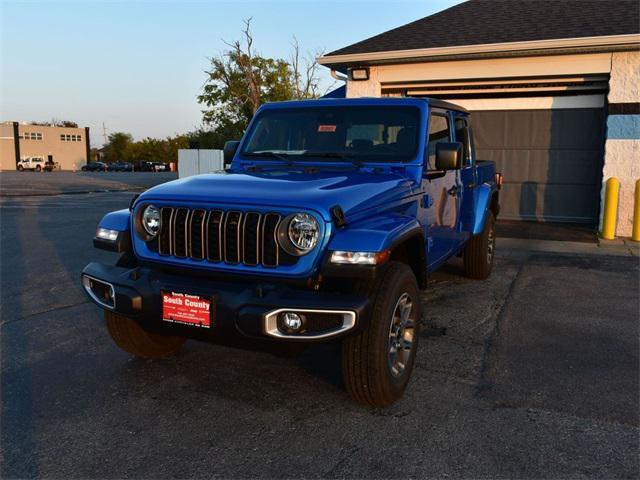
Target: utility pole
104, 134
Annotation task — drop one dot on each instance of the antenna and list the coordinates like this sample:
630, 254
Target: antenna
104, 134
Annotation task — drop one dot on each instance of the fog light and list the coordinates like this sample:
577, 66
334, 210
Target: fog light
291, 322
101, 292
107, 234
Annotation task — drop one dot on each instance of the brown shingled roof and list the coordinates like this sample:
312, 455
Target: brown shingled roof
479, 22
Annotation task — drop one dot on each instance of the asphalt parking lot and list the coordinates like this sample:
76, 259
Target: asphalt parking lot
530, 374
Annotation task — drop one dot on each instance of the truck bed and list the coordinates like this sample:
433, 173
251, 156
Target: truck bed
486, 170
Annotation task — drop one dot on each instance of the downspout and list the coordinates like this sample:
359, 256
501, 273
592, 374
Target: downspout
337, 76
87, 144
16, 142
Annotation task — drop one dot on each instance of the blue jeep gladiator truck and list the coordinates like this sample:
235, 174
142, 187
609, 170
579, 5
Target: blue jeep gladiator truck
324, 227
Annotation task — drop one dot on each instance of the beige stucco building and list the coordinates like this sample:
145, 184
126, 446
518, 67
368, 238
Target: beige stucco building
553, 87
69, 147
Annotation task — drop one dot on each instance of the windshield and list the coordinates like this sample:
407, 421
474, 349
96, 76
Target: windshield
349, 133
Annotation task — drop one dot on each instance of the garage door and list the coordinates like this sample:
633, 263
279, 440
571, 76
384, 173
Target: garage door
551, 161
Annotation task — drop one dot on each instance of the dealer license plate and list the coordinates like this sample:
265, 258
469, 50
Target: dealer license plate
187, 309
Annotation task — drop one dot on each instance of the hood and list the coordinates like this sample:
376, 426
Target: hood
352, 190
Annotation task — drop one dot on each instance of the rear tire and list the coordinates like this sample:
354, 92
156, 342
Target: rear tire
479, 252
132, 338
377, 361
20, 168
38, 168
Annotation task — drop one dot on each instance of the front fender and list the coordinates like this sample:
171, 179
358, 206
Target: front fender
483, 195
374, 234
120, 221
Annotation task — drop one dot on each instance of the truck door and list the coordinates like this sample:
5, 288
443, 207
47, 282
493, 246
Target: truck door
443, 193
468, 175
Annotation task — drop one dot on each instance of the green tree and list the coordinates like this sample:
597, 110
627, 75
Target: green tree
57, 123
173, 144
240, 80
155, 149
116, 148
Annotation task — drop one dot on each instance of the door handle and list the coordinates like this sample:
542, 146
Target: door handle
453, 191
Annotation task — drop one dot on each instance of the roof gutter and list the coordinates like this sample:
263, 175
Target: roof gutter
614, 42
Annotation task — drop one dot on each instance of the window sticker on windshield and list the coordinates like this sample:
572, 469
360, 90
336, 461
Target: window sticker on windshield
326, 128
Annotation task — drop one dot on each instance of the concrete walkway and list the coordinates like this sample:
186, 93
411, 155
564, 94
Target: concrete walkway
618, 247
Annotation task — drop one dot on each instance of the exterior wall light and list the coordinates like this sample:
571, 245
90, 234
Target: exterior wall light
359, 74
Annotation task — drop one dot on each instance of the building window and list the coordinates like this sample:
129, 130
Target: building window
30, 136
71, 138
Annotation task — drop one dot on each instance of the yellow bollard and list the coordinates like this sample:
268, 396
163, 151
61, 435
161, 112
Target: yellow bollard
610, 217
635, 233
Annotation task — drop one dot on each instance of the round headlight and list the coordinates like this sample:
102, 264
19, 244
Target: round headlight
151, 220
303, 232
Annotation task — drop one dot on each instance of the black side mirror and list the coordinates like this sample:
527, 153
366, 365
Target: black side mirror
448, 155
230, 148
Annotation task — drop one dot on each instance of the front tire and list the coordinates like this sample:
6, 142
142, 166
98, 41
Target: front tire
132, 338
479, 252
377, 361
38, 168
20, 168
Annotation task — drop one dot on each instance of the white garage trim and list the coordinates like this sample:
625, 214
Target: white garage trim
501, 82
564, 43
531, 103
555, 65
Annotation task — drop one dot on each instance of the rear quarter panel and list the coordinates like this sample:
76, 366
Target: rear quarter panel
483, 193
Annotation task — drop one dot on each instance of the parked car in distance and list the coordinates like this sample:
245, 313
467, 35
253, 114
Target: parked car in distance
50, 166
160, 167
94, 167
120, 167
324, 228
31, 163
143, 166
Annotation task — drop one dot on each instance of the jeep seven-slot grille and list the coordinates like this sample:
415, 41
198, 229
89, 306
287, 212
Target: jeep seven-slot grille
232, 236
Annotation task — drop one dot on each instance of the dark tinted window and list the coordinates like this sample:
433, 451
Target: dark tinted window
462, 136
363, 133
438, 132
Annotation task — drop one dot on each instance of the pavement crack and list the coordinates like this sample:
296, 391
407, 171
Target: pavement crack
34, 314
338, 466
484, 383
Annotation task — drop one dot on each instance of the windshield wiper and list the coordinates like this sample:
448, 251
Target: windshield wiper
342, 156
269, 154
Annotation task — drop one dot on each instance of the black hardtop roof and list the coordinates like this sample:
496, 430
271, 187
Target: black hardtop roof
382, 101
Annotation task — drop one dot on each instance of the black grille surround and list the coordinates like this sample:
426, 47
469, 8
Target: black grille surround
232, 237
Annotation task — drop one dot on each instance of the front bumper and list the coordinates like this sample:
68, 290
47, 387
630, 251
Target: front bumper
241, 307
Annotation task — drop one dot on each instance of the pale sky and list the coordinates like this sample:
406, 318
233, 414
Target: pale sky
138, 66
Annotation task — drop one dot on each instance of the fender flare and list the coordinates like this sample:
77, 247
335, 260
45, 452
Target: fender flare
374, 234
120, 221
484, 197
384, 232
